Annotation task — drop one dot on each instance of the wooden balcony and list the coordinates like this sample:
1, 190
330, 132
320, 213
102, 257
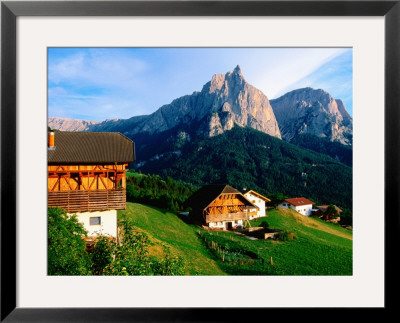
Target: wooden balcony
88, 201
227, 217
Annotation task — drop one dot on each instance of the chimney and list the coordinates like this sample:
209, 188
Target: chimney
51, 141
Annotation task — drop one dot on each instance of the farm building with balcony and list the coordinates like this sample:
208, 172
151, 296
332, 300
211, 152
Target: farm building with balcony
220, 207
86, 177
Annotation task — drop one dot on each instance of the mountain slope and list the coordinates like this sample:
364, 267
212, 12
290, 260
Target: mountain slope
334, 149
315, 112
244, 157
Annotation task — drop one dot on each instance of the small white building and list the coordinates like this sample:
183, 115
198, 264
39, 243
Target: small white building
299, 204
258, 200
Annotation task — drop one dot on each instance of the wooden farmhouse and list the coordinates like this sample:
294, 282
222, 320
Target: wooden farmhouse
220, 206
321, 212
86, 176
299, 204
258, 200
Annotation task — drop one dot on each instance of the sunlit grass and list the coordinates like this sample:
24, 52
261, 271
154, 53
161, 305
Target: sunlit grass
318, 248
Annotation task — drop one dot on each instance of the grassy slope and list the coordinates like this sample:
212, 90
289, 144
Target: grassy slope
319, 248
164, 226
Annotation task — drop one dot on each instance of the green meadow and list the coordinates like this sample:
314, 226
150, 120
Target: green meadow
308, 246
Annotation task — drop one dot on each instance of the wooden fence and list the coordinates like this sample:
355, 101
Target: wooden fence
87, 201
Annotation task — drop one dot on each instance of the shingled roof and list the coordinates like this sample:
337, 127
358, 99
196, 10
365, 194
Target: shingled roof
91, 147
208, 193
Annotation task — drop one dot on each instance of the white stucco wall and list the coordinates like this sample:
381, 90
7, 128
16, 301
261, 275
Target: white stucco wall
224, 224
303, 209
258, 202
108, 224
217, 225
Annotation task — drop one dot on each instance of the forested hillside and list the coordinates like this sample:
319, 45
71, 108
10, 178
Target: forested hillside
154, 190
334, 149
244, 157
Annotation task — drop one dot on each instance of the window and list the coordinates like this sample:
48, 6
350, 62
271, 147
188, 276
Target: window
95, 220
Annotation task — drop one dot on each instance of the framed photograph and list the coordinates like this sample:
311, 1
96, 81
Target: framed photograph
65, 62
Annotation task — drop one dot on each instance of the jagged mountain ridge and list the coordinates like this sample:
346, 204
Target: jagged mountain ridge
224, 101
66, 124
314, 112
227, 100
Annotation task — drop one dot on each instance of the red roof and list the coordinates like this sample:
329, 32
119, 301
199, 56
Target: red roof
299, 201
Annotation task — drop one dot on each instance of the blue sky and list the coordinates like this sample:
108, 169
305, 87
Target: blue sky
108, 83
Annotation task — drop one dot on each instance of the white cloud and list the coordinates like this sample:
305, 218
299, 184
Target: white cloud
67, 103
97, 67
286, 67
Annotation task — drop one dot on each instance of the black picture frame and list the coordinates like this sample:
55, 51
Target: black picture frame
10, 10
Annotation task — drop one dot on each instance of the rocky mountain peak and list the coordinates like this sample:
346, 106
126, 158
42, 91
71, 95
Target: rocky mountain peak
236, 102
312, 111
227, 99
229, 80
237, 72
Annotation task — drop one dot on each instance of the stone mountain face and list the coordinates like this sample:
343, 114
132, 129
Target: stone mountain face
223, 102
347, 119
309, 111
228, 100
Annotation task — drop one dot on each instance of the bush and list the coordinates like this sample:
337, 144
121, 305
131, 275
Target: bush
331, 212
170, 265
285, 236
102, 254
66, 252
131, 256
346, 218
